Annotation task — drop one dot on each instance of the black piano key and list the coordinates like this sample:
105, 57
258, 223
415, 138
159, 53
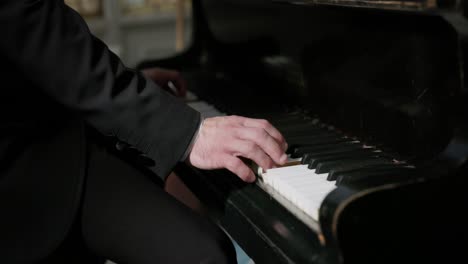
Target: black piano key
308, 132
325, 167
311, 131
341, 157
308, 152
335, 174
374, 175
312, 138
300, 147
286, 128
292, 119
286, 116
329, 156
297, 148
369, 171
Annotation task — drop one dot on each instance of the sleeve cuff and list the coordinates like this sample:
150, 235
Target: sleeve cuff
192, 141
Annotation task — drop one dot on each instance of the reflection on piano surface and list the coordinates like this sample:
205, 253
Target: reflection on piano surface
372, 102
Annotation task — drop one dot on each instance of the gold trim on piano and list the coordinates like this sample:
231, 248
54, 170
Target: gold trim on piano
414, 5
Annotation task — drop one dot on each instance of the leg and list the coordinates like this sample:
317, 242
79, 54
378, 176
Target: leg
177, 188
129, 219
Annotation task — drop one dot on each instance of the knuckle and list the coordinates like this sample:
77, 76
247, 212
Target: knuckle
259, 134
271, 163
237, 132
263, 134
268, 162
264, 123
250, 147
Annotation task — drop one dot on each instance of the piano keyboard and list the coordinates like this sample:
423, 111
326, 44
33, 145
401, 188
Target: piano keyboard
320, 160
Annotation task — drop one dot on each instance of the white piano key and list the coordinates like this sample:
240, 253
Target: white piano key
320, 185
307, 187
304, 186
201, 106
205, 109
287, 170
198, 104
190, 96
208, 114
301, 186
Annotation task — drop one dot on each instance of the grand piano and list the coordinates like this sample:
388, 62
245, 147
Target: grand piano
372, 99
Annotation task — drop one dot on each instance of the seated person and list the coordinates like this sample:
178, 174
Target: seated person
68, 105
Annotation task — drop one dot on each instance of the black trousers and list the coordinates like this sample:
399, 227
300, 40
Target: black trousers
127, 218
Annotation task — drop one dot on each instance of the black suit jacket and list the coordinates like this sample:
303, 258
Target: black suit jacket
55, 77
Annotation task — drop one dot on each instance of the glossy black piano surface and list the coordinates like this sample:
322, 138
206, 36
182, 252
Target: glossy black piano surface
388, 73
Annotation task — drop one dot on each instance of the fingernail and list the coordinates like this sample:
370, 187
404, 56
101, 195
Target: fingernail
283, 158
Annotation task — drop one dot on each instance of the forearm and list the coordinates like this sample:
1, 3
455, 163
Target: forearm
51, 45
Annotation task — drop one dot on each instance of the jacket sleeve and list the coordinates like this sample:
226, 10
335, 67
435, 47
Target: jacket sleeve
51, 45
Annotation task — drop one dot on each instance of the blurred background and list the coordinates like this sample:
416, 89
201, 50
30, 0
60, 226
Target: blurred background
138, 29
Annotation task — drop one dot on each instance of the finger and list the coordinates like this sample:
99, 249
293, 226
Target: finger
265, 141
163, 77
258, 123
158, 76
181, 86
148, 72
252, 151
161, 73
269, 128
171, 88
236, 166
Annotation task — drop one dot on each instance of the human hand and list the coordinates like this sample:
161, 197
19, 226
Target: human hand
222, 140
164, 78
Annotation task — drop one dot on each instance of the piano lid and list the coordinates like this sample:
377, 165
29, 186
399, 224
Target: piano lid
385, 76
407, 5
